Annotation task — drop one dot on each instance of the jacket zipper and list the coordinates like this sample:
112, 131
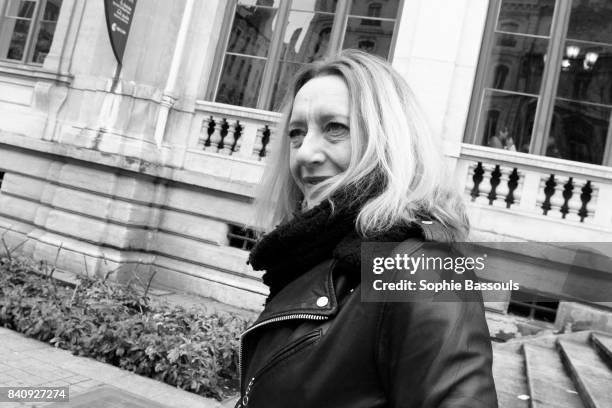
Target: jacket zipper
302, 316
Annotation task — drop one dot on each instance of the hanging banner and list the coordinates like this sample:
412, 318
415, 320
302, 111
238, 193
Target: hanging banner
119, 15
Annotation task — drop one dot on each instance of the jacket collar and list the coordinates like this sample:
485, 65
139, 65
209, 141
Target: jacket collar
314, 292
311, 293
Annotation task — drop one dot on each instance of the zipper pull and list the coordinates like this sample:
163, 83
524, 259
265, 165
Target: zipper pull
245, 399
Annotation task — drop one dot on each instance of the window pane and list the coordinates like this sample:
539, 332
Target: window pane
517, 63
52, 9
240, 81
383, 9
586, 73
526, 16
506, 120
285, 72
20, 8
252, 30
362, 35
43, 42
591, 21
18, 39
578, 132
328, 6
306, 36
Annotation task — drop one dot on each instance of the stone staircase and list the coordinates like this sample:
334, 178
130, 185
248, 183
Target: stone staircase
562, 371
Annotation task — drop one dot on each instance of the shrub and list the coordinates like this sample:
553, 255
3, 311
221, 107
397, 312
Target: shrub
116, 324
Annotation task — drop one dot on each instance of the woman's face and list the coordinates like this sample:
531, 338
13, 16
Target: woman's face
320, 146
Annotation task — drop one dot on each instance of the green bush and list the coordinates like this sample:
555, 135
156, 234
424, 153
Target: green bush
115, 324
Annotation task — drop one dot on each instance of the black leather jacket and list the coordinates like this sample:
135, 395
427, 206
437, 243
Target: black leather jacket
317, 344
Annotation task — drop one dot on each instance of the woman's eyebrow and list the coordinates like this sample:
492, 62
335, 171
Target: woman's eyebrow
326, 117
296, 122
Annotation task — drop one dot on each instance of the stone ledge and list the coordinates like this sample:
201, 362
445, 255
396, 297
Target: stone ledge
129, 164
34, 73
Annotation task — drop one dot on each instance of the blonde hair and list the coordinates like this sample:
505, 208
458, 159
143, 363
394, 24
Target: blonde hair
393, 154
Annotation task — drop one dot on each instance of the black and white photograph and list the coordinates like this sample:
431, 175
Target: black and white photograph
306, 203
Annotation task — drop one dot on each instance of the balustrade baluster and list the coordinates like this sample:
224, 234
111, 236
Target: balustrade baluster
530, 191
495, 180
501, 191
210, 129
221, 145
215, 137
574, 202
485, 187
263, 138
248, 140
237, 135
567, 195
556, 199
511, 196
469, 180
477, 180
585, 197
229, 140
257, 145
549, 190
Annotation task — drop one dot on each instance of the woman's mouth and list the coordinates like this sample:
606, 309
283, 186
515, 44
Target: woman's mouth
314, 180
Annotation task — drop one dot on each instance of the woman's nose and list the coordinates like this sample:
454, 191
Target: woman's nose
311, 152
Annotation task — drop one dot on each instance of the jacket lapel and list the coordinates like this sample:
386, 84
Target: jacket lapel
311, 293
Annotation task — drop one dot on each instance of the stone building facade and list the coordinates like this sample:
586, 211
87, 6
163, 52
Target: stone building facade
158, 175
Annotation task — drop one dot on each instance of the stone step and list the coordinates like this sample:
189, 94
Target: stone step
549, 385
592, 377
509, 375
547, 341
603, 344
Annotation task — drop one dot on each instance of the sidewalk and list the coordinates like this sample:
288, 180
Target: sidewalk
27, 362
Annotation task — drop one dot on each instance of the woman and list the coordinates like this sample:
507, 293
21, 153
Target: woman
355, 163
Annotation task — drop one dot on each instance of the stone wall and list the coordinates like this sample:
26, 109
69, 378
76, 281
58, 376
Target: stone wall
105, 213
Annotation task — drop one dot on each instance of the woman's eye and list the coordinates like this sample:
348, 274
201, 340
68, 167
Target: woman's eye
295, 133
296, 136
336, 129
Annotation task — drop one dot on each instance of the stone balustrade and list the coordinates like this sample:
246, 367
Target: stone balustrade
538, 185
578, 193
232, 130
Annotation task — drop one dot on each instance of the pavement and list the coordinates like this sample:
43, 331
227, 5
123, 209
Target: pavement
28, 362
